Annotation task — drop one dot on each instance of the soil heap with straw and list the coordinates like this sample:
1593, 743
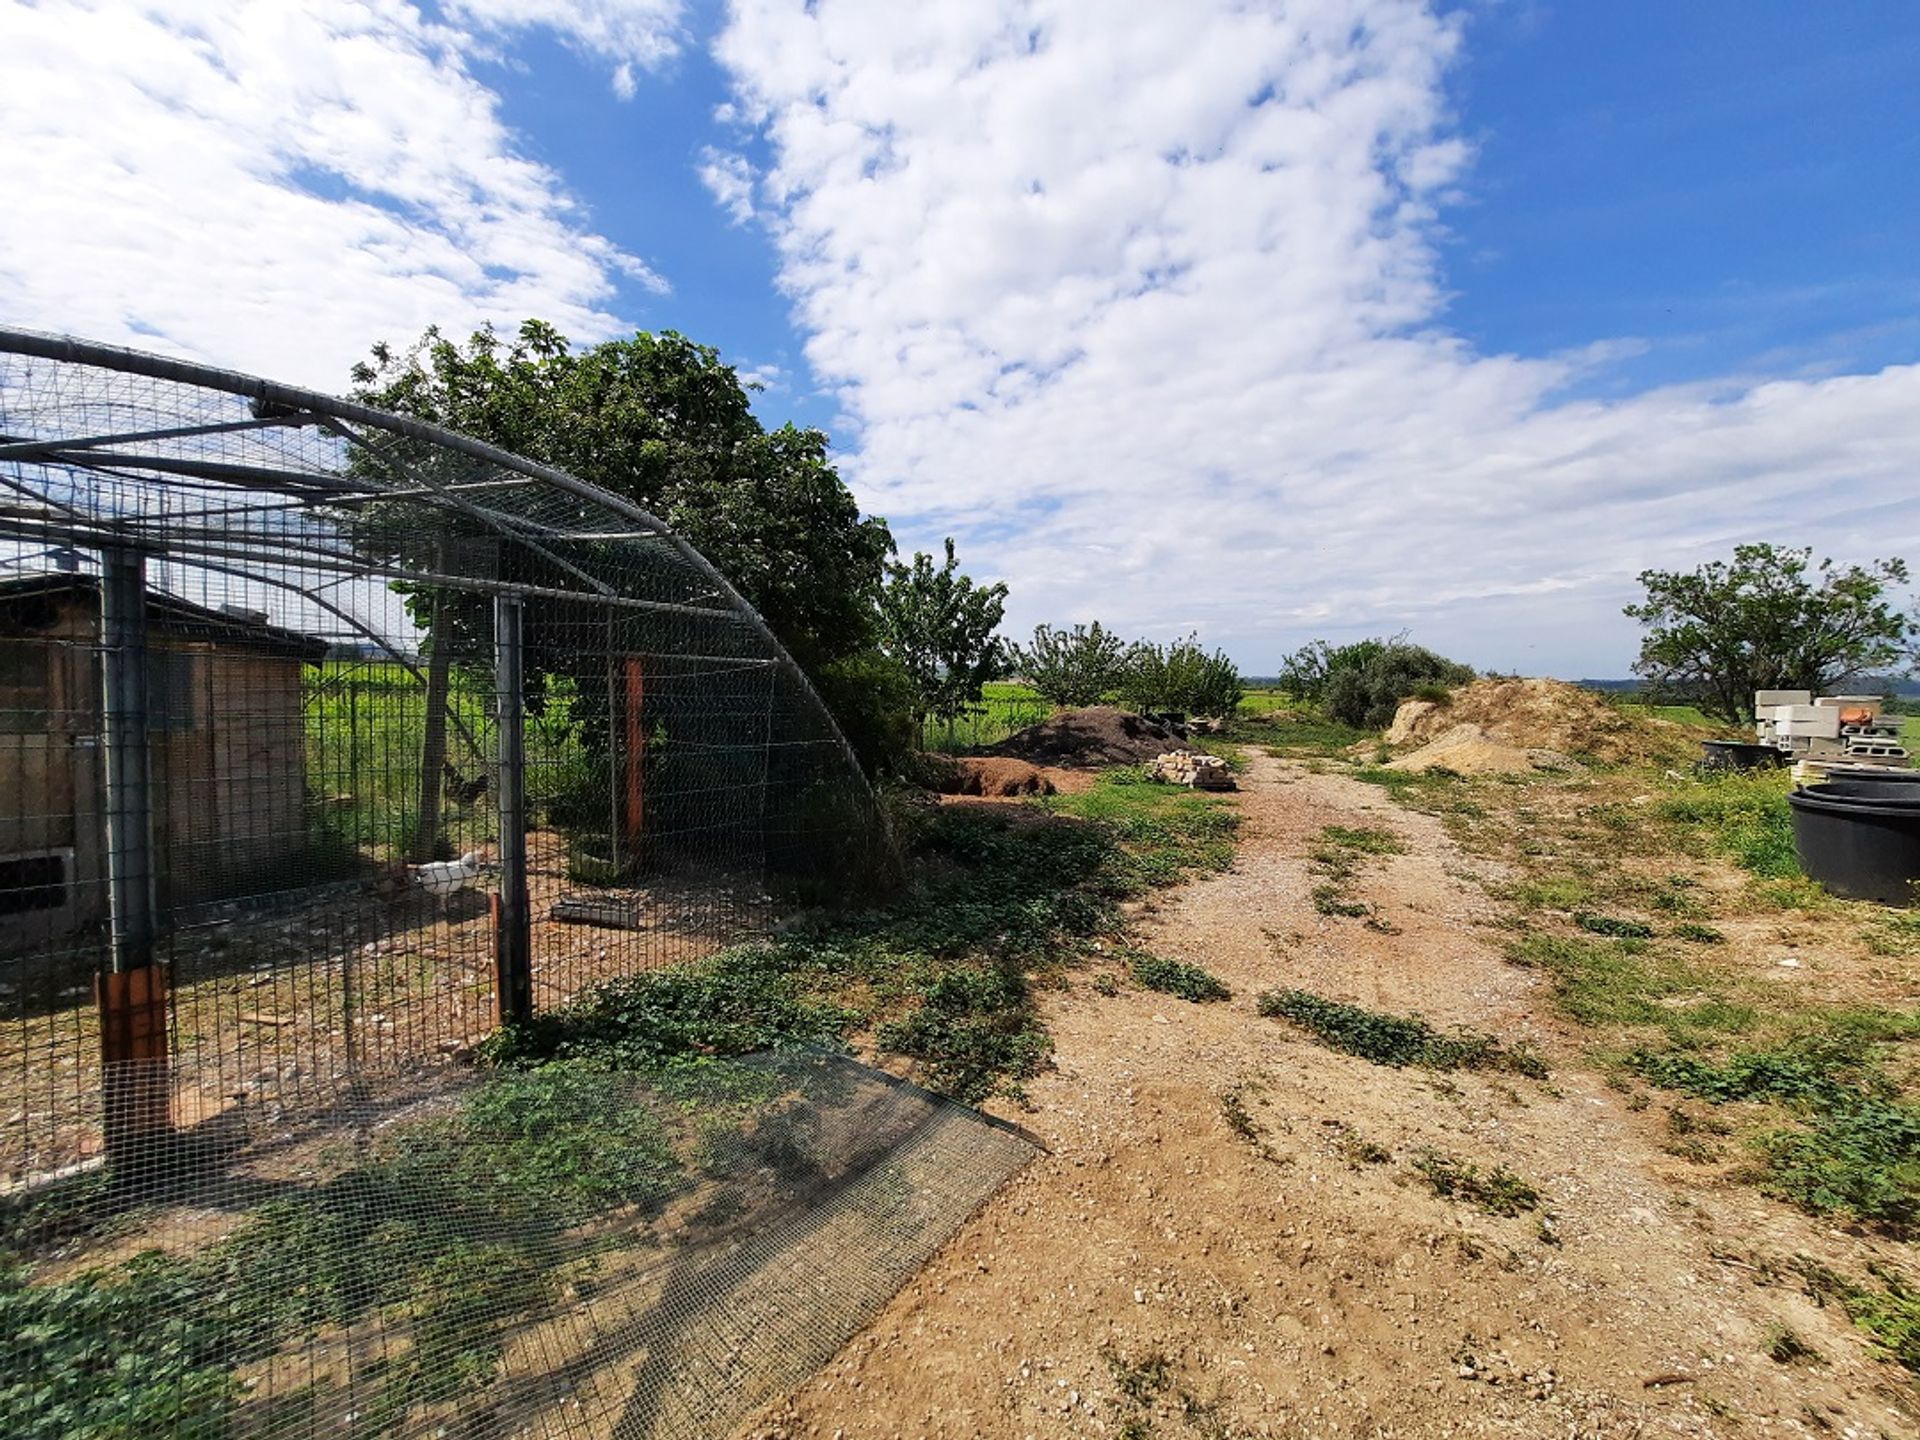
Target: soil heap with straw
1529, 724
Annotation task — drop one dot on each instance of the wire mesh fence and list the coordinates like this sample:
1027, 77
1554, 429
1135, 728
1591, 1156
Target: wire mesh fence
329, 741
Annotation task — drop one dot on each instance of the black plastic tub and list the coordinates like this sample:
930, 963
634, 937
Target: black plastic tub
1863, 847
1873, 783
1740, 755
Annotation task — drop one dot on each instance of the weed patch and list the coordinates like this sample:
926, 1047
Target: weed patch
1697, 934
1887, 1308
1742, 816
1497, 1191
1339, 853
1857, 1154
1176, 977
1396, 1040
1614, 926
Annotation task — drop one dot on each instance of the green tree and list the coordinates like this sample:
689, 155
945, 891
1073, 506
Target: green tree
1072, 667
665, 423
1181, 676
940, 627
1769, 619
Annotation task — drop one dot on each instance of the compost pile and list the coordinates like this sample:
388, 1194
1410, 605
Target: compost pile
1084, 739
1513, 725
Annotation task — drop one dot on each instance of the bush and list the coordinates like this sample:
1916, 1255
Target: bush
1306, 673
874, 699
1366, 694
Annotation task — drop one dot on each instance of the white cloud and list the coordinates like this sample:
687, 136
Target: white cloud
766, 376
275, 184
1142, 301
625, 32
729, 179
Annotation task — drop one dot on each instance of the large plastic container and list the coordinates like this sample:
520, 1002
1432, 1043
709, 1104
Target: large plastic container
1867, 781
1862, 847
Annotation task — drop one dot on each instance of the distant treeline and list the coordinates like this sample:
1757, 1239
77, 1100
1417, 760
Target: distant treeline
1866, 685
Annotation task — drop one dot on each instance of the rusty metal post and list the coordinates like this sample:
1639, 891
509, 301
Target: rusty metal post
132, 995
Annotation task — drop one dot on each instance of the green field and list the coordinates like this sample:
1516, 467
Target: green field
1005, 706
365, 724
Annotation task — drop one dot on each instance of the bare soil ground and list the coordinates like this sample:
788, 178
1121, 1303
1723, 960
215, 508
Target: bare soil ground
1228, 1238
272, 1009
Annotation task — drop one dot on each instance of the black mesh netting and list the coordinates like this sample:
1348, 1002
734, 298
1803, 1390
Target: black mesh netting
545, 1252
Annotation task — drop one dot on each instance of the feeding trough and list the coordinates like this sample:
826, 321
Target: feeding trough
1740, 755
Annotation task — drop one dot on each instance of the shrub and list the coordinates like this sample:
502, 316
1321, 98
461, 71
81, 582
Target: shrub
875, 700
1306, 673
1366, 694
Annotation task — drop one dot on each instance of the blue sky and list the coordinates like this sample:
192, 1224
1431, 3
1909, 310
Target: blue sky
1328, 317
1734, 183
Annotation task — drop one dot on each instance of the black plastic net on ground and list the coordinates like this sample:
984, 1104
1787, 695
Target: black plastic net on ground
551, 1252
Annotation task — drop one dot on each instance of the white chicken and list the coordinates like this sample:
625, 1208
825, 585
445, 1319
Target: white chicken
444, 879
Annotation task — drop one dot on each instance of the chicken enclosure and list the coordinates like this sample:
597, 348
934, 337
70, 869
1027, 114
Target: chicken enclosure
329, 740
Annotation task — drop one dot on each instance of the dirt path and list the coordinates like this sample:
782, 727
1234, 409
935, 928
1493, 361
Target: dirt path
1304, 1280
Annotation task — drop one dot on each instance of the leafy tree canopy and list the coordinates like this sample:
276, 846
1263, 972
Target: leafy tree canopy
662, 421
1181, 676
1306, 673
1769, 619
1073, 667
940, 627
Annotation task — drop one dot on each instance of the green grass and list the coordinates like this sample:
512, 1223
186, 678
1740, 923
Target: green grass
1856, 1151
1299, 733
1396, 1040
1339, 853
1744, 817
1889, 1312
1266, 702
1167, 831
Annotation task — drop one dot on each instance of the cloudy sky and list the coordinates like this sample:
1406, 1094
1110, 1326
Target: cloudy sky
1269, 319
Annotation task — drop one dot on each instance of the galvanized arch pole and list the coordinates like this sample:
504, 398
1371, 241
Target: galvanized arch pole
136, 1084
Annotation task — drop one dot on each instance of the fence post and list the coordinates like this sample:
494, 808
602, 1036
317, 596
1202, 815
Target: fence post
513, 934
132, 995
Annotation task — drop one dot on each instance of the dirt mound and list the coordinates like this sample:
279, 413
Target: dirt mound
989, 776
1542, 715
1097, 735
1469, 750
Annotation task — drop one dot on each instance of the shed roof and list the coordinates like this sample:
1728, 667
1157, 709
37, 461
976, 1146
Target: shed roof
171, 615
